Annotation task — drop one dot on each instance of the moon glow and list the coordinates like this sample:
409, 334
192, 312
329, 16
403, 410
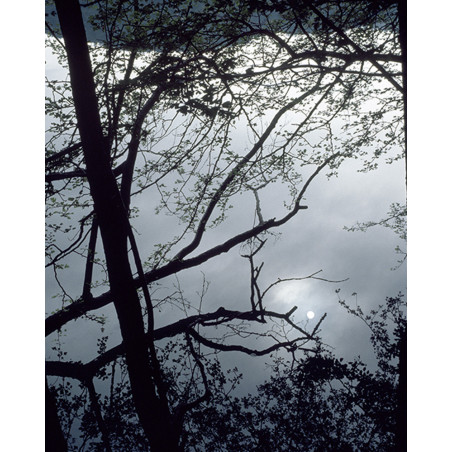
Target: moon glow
310, 315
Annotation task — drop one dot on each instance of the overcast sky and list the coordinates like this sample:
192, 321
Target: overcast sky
429, 227
313, 240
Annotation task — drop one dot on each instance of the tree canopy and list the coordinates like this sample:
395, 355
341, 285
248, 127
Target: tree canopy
192, 105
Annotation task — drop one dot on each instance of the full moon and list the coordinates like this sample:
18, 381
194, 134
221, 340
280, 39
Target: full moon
310, 315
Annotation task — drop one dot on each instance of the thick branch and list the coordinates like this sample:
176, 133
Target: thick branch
83, 371
80, 307
240, 348
237, 169
51, 177
129, 164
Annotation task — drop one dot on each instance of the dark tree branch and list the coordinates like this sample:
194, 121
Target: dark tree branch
54, 437
221, 316
239, 167
129, 165
366, 56
98, 414
52, 32
63, 153
154, 415
156, 370
80, 239
117, 107
311, 276
255, 271
81, 306
51, 177
349, 58
90, 261
183, 408
322, 54
240, 348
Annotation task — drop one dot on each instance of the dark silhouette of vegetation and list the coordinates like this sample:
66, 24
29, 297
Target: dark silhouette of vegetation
319, 402
151, 109
314, 401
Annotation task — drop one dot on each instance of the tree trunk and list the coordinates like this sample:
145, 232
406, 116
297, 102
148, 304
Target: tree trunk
111, 215
55, 440
402, 13
401, 418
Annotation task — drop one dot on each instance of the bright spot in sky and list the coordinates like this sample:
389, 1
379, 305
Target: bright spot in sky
290, 293
310, 315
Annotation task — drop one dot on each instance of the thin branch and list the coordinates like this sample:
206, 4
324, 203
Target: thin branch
258, 206
52, 32
316, 328
236, 170
81, 306
366, 56
254, 272
90, 260
311, 276
80, 239
156, 370
63, 153
185, 407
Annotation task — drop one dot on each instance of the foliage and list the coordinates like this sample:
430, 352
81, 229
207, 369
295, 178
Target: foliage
396, 220
186, 107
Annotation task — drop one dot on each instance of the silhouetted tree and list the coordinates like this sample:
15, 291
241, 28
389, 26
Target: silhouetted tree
314, 401
152, 107
318, 402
